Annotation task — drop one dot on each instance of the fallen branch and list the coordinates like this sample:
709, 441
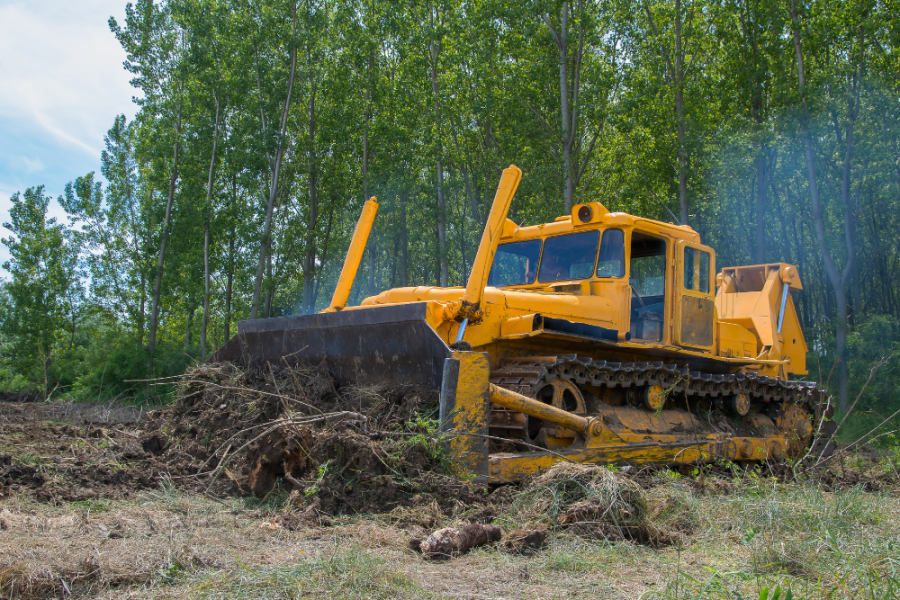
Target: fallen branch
154, 379
247, 390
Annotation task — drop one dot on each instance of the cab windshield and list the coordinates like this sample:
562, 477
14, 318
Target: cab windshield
569, 256
515, 263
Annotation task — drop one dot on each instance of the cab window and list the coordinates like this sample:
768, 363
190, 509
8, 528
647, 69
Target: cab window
612, 254
569, 256
696, 270
515, 263
648, 286
648, 266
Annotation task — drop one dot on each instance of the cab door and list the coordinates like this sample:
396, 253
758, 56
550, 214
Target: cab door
694, 295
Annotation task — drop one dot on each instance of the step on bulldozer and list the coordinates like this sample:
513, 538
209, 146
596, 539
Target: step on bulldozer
601, 337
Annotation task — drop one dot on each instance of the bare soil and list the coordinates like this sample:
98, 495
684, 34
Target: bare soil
284, 476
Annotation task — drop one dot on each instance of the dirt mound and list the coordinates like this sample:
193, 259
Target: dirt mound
78, 460
343, 450
229, 431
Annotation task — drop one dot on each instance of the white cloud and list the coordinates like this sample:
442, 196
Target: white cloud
62, 85
61, 68
29, 165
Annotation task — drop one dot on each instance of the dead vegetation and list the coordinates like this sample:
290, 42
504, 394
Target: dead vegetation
302, 487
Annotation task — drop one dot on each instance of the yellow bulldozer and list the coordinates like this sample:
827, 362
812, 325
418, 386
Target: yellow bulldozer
600, 337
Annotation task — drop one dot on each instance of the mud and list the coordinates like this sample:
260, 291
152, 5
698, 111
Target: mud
54, 462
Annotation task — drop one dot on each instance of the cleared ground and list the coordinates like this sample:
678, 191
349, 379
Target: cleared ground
88, 512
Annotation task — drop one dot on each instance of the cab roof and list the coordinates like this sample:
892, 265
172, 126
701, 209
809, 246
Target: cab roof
593, 215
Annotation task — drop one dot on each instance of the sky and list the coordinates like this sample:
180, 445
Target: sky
62, 85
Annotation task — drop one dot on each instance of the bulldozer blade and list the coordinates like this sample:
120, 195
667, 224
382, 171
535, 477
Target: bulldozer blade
379, 345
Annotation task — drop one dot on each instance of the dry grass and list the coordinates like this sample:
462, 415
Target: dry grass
760, 535
612, 535
48, 552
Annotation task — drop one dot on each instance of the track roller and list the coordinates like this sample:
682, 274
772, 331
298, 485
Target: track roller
738, 404
654, 397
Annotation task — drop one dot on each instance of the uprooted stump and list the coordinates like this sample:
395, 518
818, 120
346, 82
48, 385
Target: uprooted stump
343, 470
449, 542
525, 541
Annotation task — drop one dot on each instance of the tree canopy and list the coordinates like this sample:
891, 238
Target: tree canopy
771, 127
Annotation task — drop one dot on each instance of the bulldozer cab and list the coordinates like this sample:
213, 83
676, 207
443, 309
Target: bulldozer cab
658, 273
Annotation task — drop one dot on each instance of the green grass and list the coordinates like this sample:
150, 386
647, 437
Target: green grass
93, 505
738, 536
798, 538
573, 555
347, 573
29, 459
860, 423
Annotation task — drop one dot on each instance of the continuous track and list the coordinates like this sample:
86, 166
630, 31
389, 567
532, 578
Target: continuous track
567, 380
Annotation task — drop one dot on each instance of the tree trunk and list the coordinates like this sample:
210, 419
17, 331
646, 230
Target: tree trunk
392, 281
562, 46
675, 76
838, 280
371, 248
270, 287
157, 286
679, 116
808, 319
209, 186
137, 261
761, 188
568, 99
229, 284
404, 244
188, 338
365, 168
757, 108
494, 177
74, 321
309, 263
886, 304
464, 169
434, 50
143, 309
273, 182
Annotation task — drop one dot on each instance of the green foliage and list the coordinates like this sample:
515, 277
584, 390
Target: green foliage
876, 338
671, 110
346, 572
874, 343
44, 293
